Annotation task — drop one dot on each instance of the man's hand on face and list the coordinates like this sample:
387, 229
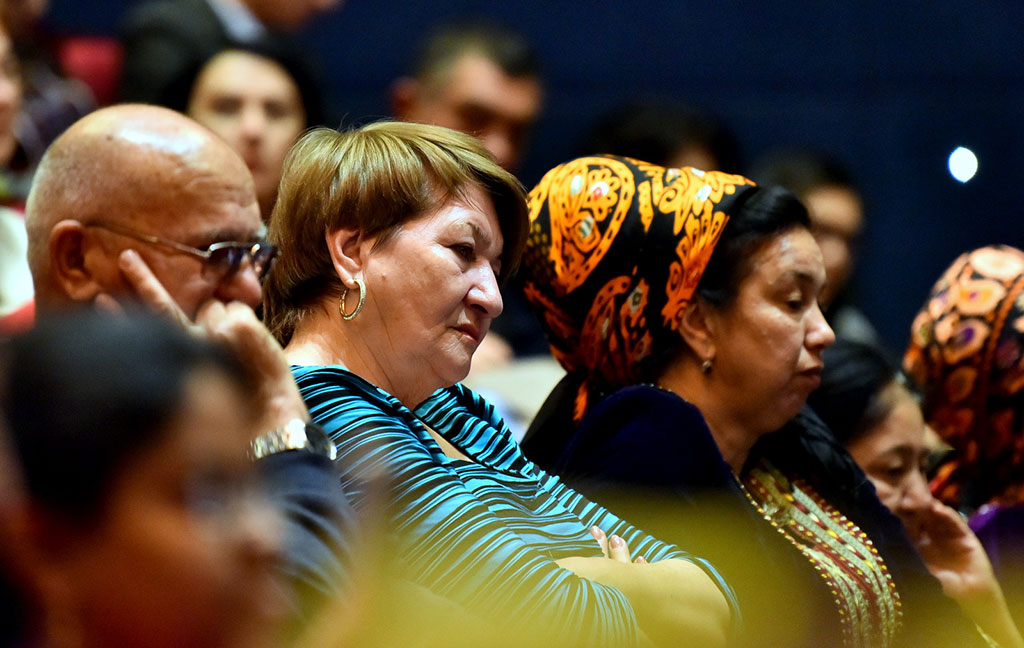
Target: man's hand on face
148, 291
234, 325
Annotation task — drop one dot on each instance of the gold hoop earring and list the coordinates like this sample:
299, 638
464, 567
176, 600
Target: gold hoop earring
705, 367
359, 306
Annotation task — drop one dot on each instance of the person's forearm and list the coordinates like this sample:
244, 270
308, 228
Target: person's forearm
992, 616
675, 601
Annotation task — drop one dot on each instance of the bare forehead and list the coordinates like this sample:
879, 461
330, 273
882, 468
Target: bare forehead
238, 69
183, 170
793, 254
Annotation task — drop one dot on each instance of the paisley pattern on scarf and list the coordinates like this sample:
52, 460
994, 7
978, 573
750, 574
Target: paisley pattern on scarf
967, 352
615, 251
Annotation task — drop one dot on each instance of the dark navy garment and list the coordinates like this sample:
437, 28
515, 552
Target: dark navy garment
653, 446
320, 528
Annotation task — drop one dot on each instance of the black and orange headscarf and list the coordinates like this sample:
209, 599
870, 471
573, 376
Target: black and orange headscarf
615, 251
967, 351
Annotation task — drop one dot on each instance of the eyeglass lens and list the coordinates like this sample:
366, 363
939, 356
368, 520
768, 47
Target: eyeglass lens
228, 258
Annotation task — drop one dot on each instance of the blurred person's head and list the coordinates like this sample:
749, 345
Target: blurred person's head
289, 14
415, 222
260, 101
142, 525
19, 17
10, 95
12, 500
870, 409
834, 204
667, 134
967, 352
148, 179
477, 78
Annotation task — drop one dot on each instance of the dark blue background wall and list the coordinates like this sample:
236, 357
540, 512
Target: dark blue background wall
889, 87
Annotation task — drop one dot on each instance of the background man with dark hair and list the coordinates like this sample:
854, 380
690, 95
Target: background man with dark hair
477, 78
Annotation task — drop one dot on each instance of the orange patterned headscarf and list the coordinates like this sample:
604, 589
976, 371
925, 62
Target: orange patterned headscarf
615, 251
967, 352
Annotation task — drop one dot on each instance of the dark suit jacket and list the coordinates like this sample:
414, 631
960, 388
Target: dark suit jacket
320, 527
163, 40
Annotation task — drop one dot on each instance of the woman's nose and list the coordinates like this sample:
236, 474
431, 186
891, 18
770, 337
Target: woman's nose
916, 496
485, 294
819, 334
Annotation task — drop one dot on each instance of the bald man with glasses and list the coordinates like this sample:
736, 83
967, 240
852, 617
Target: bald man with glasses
139, 204
135, 185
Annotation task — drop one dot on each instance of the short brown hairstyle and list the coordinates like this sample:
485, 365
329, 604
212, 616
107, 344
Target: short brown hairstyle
373, 179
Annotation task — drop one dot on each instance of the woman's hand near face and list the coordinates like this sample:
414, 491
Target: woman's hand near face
955, 556
675, 602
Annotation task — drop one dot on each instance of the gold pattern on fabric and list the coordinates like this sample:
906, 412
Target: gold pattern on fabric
864, 593
615, 252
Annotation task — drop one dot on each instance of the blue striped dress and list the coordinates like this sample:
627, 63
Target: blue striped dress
483, 534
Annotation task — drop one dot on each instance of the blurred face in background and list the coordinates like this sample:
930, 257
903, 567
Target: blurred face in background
836, 220
477, 97
10, 96
253, 104
894, 455
21, 15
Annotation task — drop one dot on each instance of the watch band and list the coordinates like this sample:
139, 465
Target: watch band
296, 434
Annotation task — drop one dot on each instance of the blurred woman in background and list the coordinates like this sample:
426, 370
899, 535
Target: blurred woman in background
869, 407
967, 353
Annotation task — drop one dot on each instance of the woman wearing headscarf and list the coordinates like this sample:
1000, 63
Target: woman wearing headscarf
967, 352
683, 305
392, 239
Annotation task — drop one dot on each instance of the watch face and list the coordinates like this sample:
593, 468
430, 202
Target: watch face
293, 435
319, 442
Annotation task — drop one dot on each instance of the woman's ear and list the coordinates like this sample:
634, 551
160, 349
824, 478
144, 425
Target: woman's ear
348, 249
697, 329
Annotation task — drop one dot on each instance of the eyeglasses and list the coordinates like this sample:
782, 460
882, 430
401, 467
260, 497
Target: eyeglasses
224, 257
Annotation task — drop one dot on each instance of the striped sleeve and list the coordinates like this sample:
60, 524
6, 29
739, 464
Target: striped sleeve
451, 543
589, 513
